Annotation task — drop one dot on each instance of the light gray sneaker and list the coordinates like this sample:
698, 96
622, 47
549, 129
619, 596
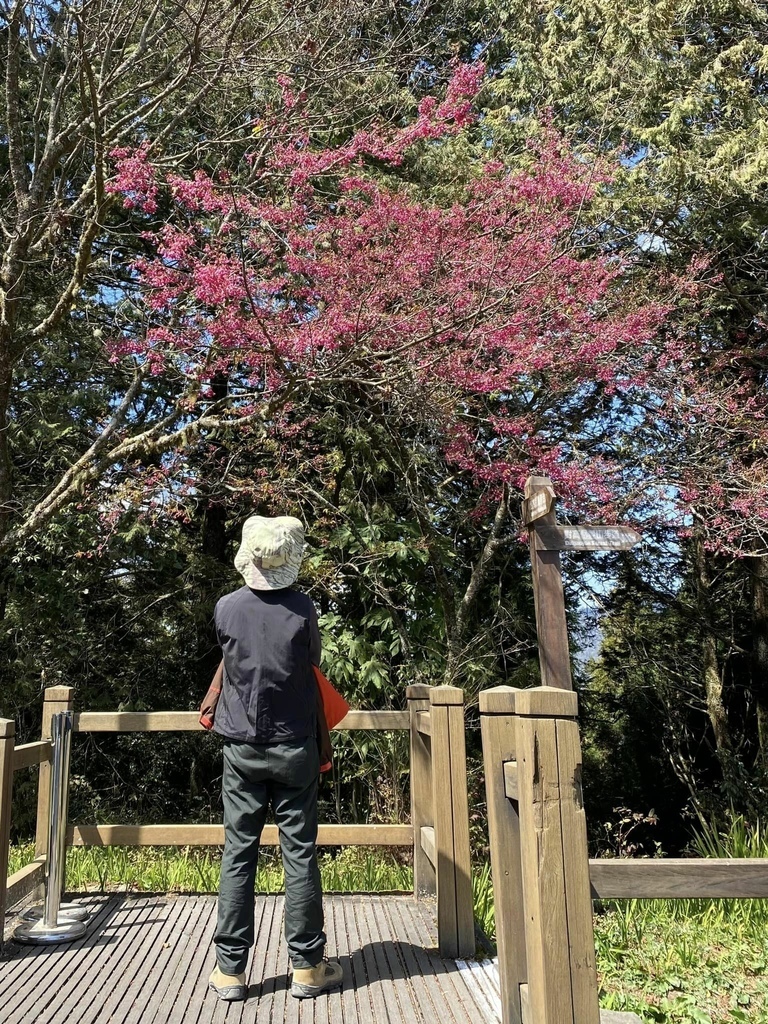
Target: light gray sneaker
227, 986
309, 982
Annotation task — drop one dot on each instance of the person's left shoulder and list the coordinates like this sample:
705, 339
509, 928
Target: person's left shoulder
226, 603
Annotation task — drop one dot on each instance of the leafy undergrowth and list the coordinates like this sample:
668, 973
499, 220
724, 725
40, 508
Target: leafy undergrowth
690, 961
684, 962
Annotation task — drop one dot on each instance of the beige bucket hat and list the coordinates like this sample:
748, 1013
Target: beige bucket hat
270, 553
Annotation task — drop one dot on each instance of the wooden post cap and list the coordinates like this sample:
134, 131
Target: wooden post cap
537, 483
498, 700
547, 701
446, 695
7, 728
59, 693
418, 691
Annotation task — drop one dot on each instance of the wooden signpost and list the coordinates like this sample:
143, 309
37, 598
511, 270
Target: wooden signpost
536, 822
547, 539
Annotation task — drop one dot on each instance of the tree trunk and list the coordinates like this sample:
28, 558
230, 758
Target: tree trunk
478, 577
6, 462
760, 648
214, 534
711, 676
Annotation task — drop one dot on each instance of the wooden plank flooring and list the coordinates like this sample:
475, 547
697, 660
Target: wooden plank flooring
146, 958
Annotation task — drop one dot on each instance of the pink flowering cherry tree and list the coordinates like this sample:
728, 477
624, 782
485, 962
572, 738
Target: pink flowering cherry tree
325, 270
321, 274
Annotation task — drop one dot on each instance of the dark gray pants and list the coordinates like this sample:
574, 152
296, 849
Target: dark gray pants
285, 775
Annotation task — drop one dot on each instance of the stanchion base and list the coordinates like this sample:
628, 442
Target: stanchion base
37, 934
69, 911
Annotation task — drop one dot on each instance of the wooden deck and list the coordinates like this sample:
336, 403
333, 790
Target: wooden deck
146, 958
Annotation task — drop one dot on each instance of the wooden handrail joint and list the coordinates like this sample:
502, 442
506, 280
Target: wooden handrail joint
511, 781
30, 754
423, 723
428, 842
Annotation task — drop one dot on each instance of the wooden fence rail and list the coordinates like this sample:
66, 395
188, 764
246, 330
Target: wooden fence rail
213, 835
188, 721
690, 878
438, 832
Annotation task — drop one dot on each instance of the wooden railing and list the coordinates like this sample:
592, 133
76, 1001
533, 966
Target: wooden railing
439, 812
15, 887
439, 829
12, 759
213, 835
543, 881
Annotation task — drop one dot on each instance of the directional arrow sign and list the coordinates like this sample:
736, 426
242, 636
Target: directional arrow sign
538, 505
585, 538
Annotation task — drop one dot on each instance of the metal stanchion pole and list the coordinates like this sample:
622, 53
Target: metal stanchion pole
56, 922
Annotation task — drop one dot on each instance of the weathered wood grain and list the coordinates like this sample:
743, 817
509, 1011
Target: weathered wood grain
29, 754
424, 877
541, 846
679, 878
213, 835
497, 728
57, 698
549, 600
581, 939
7, 747
511, 790
447, 923
462, 862
188, 721
170, 960
22, 882
146, 960
586, 538
423, 723
546, 701
51, 971
428, 842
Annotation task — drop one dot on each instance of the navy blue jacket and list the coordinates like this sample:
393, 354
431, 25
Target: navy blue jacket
269, 640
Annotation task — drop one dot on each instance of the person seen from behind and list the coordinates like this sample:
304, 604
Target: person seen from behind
275, 739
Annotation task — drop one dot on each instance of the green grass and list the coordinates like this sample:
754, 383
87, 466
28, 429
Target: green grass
690, 961
168, 869
683, 962
191, 869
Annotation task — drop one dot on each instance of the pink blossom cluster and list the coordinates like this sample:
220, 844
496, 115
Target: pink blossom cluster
434, 121
135, 178
489, 308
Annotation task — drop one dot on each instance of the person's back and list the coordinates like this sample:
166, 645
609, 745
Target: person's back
271, 719
269, 640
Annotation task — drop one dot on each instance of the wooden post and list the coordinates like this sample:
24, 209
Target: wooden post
562, 983
424, 881
455, 912
7, 745
578, 891
551, 626
497, 726
57, 698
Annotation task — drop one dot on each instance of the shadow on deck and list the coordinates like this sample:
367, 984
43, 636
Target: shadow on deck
146, 958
